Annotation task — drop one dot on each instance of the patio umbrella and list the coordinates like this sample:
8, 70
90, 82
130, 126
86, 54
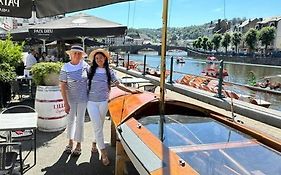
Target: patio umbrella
45, 8
80, 25
77, 25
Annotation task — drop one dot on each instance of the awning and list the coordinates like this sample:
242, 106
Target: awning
77, 25
45, 8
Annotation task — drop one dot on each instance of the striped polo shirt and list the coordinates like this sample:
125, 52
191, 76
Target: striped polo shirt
99, 88
76, 78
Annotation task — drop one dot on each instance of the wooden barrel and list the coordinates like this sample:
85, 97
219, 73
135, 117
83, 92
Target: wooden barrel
50, 108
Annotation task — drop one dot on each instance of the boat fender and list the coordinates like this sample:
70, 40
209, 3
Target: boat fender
139, 125
182, 162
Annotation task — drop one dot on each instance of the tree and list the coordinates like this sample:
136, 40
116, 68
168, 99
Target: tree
199, 42
236, 40
266, 36
204, 42
226, 41
194, 43
216, 41
251, 39
210, 45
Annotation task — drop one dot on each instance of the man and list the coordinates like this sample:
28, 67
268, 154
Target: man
29, 61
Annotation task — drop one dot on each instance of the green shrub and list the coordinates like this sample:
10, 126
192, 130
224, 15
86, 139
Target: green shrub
7, 72
10, 58
41, 71
10, 52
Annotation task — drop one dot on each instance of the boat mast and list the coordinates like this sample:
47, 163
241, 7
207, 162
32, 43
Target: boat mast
163, 68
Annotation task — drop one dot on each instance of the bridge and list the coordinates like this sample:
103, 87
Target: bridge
133, 49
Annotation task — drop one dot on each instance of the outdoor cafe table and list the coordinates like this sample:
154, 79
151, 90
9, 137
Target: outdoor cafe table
19, 121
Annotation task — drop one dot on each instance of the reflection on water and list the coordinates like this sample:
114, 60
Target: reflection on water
237, 73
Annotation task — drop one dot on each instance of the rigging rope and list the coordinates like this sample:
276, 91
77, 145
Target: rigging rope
128, 18
134, 12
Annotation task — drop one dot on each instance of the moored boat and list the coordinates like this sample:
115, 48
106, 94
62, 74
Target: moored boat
210, 84
269, 83
150, 71
196, 140
180, 60
212, 68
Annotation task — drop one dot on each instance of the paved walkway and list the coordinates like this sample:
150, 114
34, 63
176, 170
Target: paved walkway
51, 159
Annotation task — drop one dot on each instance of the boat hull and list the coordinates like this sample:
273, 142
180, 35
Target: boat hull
135, 123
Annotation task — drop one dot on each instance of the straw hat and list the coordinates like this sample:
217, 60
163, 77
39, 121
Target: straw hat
76, 48
103, 51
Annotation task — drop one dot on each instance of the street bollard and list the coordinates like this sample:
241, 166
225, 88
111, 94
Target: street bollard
171, 70
219, 95
144, 65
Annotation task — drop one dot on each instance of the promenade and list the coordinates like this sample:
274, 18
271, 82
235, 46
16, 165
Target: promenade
51, 160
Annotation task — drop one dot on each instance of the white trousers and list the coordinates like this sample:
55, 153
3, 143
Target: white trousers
75, 121
97, 112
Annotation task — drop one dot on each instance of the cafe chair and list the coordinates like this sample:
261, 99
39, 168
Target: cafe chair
17, 89
21, 134
9, 158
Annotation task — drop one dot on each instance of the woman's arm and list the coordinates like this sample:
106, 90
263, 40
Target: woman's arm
63, 87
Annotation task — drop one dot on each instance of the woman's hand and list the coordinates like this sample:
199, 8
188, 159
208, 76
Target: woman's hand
66, 108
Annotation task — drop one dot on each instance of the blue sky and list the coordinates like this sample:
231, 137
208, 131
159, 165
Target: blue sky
182, 13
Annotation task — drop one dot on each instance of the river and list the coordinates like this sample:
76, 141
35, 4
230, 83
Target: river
238, 73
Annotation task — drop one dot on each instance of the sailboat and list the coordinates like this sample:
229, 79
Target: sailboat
169, 137
196, 140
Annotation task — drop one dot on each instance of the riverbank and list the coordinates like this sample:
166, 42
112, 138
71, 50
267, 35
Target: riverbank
239, 59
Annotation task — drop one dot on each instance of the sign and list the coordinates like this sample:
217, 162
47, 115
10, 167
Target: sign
41, 32
45, 8
16, 8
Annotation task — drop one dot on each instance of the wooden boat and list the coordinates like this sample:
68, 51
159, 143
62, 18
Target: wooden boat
211, 85
256, 88
156, 72
270, 84
191, 139
212, 68
261, 89
149, 70
196, 140
211, 59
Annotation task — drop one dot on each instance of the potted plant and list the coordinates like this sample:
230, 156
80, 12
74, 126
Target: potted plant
48, 99
10, 60
46, 73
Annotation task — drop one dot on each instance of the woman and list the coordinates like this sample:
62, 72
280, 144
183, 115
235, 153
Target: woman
73, 83
101, 77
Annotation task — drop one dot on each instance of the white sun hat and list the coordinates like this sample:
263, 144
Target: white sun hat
76, 48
